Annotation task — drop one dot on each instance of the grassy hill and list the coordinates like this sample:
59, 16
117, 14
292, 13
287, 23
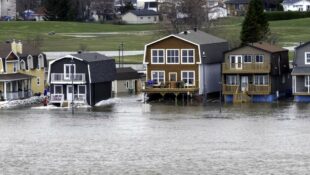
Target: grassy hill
71, 36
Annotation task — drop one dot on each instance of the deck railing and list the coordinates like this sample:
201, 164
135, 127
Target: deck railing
246, 68
251, 90
57, 98
67, 78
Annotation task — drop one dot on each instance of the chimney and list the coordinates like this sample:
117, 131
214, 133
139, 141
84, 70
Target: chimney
14, 46
195, 29
185, 32
19, 47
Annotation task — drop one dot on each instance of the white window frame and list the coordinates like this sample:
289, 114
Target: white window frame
194, 78
152, 78
79, 89
38, 81
24, 65
30, 62
62, 88
188, 50
263, 59
176, 75
264, 80
163, 50
178, 56
70, 71
306, 62
232, 78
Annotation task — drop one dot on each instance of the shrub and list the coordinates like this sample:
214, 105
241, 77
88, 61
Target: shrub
275, 16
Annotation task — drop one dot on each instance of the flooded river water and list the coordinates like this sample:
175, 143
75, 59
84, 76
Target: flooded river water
127, 137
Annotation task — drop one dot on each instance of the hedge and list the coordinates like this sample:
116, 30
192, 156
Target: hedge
275, 16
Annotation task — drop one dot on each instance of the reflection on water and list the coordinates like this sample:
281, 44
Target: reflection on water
129, 137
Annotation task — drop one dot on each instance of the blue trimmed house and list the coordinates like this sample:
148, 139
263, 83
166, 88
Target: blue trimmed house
257, 72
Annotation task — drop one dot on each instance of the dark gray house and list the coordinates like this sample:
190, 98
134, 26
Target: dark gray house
301, 73
91, 75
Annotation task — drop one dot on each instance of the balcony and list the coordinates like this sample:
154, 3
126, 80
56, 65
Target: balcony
230, 68
170, 87
251, 90
60, 78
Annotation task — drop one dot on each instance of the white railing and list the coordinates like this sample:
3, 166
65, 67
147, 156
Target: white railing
67, 78
57, 98
80, 97
18, 95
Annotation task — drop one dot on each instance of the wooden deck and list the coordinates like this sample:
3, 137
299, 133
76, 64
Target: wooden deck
175, 91
252, 89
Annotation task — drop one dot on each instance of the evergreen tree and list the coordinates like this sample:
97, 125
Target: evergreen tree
255, 26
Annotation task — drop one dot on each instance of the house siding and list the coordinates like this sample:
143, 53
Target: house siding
300, 56
131, 18
100, 91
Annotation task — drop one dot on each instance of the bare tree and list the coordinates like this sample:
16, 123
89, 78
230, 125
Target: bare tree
184, 14
103, 8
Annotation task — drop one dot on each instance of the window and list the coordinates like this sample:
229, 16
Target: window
155, 19
30, 62
247, 58
58, 89
15, 67
307, 58
259, 58
158, 56
307, 81
188, 56
127, 84
22, 65
158, 76
231, 80
40, 62
81, 89
172, 56
38, 81
69, 70
261, 79
188, 77
172, 76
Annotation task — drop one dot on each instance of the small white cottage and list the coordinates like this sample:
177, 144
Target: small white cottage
127, 80
296, 5
141, 16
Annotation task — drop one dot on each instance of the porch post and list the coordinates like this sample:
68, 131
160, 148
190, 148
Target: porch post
4, 91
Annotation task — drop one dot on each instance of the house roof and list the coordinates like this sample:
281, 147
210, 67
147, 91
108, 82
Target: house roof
290, 1
302, 45
126, 73
237, 2
264, 46
5, 49
15, 76
144, 12
91, 57
199, 37
101, 67
301, 71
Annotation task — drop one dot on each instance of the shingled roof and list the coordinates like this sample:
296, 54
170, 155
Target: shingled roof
126, 73
13, 77
267, 47
199, 37
5, 49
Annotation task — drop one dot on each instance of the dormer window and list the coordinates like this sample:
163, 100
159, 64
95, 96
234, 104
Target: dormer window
30, 62
307, 58
22, 65
259, 58
40, 61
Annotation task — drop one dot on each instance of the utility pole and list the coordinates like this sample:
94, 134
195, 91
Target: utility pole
122, 45
72, 85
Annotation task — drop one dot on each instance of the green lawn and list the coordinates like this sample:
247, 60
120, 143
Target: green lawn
131, 59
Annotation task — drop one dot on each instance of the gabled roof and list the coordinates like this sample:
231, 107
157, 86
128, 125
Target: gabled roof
144, 12
5, 49
237, 2
264, 46
126, 73
199, 37
91, 57
302, 45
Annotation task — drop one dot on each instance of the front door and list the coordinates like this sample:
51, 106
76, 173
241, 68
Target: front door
236, 61
172, 76
69, 93
244, 83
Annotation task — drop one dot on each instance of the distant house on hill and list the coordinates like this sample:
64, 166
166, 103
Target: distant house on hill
8, 9
237, 7
141, 16
296, 5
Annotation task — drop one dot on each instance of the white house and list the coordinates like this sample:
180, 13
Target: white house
141, 16
127, 80
296, 5
8, 8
